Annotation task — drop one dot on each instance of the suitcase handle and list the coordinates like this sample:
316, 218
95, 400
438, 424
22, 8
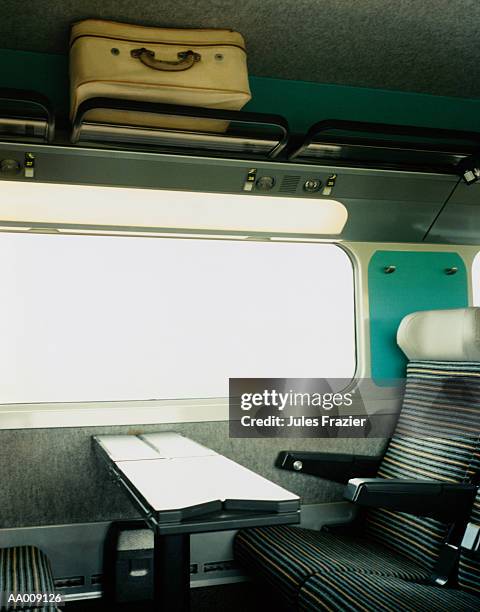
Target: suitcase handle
186, 59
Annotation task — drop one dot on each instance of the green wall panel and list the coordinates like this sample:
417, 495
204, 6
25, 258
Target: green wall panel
302, 103
418, 283
42, 72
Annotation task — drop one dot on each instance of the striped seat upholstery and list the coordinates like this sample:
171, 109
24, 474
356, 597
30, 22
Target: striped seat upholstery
25, 569
437, 437
353, 592
366, 593
286, 557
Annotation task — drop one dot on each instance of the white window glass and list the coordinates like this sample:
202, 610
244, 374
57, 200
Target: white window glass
96, 318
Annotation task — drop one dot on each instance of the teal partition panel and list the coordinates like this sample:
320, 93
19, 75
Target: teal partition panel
419, 282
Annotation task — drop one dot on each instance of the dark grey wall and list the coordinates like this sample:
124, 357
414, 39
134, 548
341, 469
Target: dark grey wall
52, 476
429, 47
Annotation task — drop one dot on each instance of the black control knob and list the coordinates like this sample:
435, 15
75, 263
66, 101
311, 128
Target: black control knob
265, 183
312, 185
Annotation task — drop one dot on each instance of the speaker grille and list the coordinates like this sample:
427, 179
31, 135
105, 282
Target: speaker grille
289, 184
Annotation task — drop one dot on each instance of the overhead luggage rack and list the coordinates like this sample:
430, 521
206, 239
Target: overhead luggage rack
380, 145
26, 116
248, 135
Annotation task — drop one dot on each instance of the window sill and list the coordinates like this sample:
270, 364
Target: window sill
91, 414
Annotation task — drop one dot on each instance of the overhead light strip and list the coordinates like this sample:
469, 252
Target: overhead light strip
137, 210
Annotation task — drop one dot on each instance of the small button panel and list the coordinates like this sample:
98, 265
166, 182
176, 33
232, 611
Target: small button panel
249, 183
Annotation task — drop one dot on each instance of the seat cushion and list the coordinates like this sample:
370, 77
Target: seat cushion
25, 569
286, 556
352, 592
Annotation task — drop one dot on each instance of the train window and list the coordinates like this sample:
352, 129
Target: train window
98, 318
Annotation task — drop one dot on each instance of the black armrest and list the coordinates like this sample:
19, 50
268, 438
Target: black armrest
442, 500
339, 467
471, 538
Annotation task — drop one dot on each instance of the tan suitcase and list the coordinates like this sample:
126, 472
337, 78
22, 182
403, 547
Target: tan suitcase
205, 68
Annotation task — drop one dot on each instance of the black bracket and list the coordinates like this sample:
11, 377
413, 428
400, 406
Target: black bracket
445, 501
339, 467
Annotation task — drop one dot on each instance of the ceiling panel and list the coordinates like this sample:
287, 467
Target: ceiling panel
428, 47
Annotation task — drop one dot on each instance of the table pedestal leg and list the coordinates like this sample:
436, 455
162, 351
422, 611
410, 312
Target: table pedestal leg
171, 573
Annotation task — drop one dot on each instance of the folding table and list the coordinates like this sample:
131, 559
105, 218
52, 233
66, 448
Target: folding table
181, 487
